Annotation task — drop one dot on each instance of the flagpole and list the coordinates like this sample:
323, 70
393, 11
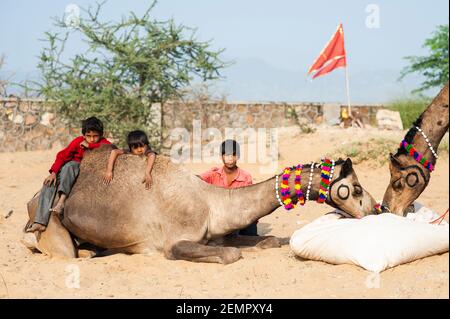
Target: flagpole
348, 91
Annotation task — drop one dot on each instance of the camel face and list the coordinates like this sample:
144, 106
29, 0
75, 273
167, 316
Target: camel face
409, 177
347, 194
408, 181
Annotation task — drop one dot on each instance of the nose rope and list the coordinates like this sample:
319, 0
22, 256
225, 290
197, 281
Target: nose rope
440, 218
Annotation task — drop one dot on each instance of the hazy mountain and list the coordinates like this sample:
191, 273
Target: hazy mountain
256, 80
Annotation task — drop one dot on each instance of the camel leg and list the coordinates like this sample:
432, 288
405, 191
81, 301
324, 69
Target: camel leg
262, 242
55, 241
192, 251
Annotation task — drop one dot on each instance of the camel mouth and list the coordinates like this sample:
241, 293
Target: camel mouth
385, 209
409, 210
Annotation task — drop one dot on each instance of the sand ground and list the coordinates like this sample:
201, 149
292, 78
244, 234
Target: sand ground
271, 273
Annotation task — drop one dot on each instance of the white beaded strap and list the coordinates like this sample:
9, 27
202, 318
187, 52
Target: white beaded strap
428, 141
310, 182
276, 192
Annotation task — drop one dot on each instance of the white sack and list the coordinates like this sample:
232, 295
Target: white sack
375, 242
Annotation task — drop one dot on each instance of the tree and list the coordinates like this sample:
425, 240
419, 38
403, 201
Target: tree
127, 67
434, 67
3, 82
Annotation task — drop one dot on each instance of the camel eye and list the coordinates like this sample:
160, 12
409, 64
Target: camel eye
397, 185
357, 189
412, 179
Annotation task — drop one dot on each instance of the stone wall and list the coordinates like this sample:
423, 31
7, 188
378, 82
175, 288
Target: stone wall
245, 115
31, 124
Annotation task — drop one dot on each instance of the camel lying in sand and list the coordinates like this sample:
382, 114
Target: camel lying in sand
180, 214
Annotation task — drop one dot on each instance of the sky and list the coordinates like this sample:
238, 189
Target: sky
272, 43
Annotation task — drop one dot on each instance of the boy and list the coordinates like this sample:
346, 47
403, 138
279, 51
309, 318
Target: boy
231, 176
64, 172
138, 144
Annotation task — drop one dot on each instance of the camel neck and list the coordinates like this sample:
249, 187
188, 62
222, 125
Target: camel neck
237, 208
434, 123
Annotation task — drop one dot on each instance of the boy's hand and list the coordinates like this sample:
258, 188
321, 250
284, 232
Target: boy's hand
84, 144
107, 177
148, 181
51, 179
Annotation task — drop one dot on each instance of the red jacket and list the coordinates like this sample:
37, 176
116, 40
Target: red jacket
74, 152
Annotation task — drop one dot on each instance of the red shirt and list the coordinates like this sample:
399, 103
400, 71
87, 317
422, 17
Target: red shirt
217, 176
74, 152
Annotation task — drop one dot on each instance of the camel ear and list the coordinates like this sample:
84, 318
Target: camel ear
347, 167
394, 161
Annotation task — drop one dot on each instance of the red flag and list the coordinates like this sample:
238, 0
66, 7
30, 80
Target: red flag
332, 56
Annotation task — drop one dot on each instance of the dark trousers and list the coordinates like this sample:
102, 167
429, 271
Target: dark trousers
64, 182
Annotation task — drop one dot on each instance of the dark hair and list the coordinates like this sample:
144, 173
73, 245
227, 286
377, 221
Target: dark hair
137, 138
230, 147
92, 124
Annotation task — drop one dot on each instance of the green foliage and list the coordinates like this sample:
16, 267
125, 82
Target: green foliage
433, 67
303, 124
409, 108
3, 82
128, 67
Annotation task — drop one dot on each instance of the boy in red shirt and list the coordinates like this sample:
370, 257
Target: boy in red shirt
231, 176
64, 172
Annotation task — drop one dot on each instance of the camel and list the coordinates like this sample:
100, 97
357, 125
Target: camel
409, 178
181, 213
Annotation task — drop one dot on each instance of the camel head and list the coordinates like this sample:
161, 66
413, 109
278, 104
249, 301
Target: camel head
408, 181
347, 194
410, 167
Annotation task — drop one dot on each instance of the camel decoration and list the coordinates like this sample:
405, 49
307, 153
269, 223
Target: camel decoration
414, 161
181, 213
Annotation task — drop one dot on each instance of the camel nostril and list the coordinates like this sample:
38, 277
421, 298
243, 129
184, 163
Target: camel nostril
360, 202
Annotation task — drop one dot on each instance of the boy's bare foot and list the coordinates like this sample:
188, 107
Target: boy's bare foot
58, 209
36, 227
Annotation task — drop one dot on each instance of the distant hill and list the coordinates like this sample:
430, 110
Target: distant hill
253, 79
256, 80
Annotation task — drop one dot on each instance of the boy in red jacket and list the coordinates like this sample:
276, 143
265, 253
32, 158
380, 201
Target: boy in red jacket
64, 172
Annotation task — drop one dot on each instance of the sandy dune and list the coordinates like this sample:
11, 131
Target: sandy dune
272, 273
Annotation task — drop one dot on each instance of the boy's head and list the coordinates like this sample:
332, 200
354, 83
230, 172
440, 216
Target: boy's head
230, 151
92, 129
137, 142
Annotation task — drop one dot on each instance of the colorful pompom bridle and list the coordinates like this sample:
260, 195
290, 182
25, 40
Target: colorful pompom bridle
285, 199
416, 154
326, 177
